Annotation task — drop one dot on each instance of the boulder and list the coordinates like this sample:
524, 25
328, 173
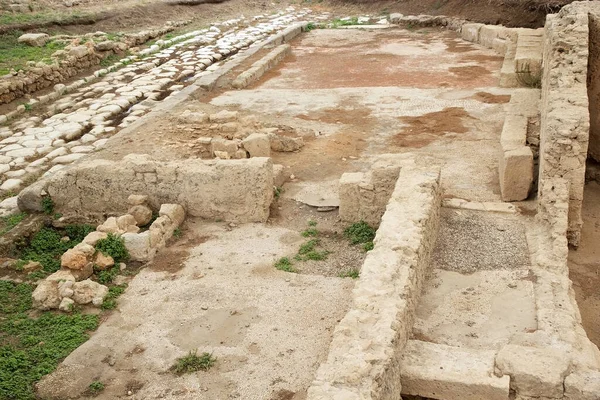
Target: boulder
284, 143
174, 212
34, 39
137, 199
32, 266
83, 273
66, 304
62, 275
257, 145
79, 51
94, 237
65, 288
103, 261
105, 45
109, 226
74, 259
138, 246
141, 213
45, 296
127, 223
88, 291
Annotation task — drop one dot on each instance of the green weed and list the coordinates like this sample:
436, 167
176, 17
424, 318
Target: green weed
360, 232
11, 221
284, 264
110, 302
352, 273
48, 205
96, 387
193, 362
32, 347
113, 246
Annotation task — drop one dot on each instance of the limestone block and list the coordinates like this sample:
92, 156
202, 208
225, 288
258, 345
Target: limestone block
34, 39
470, 32
66, 304
137, 199
489, 33
222, 155
83, 273
279, 175
514, 132
93, 237
224, 116
109, 226
45, 296
141, 213
516, 174
534, 372
284, 143
349, 192
103, 261
138, 246
257, 145
174, 212
583, 385
74, 259
88, 291
438, 371
224, 145
61, 275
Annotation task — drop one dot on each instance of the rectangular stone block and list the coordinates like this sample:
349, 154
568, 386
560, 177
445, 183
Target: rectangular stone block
514, 132
349, 192
444, 372
488, 33
470, 32
516, 174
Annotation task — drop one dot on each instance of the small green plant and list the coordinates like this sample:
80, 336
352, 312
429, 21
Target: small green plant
96, 387
48, 205
107, 276
369, 246
110, 301
109, 60
310, 26
312, 223
284, 264
308, 251
360, 232
28, 107
193, 362
113, 246
11, 221
277, 191
177, 233
352, 273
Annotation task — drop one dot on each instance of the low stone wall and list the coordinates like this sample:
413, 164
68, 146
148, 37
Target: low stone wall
364, 356
263, 65
565, 121
230, 190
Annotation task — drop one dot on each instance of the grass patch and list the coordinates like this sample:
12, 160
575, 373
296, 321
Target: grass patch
11, 221
15, 55
284, 264
48, 205
177, 233
193, 362
107, 276
113, 246
109, 60
110, 302
352, 273
308, 251
31, 348
361, 233
46, 245
96, 387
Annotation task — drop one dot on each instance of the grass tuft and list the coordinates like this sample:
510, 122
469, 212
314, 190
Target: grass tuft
361, 232
284, 264
193, 362
113, 246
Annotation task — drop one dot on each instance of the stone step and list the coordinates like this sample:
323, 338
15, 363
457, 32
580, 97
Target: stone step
441, 372
508, 73
528, 57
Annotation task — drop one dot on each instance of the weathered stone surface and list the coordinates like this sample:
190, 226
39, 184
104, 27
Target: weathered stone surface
230, 190
137, 199
62, 275
45, 296
470, 32
127, 223
103, 261
174, 212
109, 226
83, 273
74, 259
66, 304
87, 291
257, 145
365, 352
516, 174
223, 145
583, 385
93, 237
138, 246
534, 372
34, 39
433, 370
224, 116
284, 143
142, 214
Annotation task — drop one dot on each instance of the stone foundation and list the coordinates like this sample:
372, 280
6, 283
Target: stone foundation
229, 190
364, 357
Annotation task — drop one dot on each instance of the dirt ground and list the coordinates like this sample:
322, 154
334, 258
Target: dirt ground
584, 264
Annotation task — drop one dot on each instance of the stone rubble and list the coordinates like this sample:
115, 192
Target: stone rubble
79, 122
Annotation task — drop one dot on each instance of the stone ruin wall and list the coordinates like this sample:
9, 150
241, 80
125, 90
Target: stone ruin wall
594, 83
564, 108
229, 190
366, 350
